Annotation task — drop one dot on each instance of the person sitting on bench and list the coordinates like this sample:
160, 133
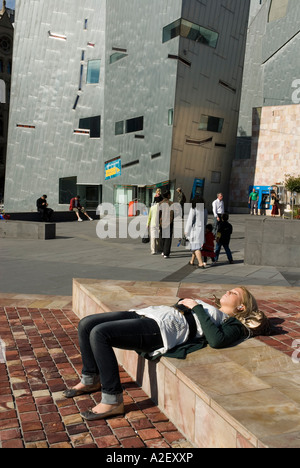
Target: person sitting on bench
42, 207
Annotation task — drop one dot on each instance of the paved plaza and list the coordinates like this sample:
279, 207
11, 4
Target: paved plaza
48, 267
39, 330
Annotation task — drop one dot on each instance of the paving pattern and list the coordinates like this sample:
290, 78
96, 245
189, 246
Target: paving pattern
42, 358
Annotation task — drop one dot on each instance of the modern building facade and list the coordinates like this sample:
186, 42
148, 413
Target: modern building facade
6, 51
113, 98
268, 145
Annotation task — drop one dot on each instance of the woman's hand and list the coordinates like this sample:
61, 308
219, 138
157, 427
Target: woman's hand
189, 303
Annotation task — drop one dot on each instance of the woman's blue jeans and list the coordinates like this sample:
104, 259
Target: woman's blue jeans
99, 333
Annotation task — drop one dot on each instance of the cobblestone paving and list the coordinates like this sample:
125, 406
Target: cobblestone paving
285, 318
42, 357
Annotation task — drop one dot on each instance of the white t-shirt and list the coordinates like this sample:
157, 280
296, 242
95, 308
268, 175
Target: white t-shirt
173, 325
218, 207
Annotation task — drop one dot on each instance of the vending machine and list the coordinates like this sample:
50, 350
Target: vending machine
198, 188
264, 201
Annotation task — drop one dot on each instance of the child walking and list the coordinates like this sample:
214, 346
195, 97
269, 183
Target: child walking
223, 238
208, 248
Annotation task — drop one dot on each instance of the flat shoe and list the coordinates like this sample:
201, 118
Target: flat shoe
73, 392
91, 416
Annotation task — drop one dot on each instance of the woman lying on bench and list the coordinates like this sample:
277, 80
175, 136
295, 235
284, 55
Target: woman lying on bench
155, 331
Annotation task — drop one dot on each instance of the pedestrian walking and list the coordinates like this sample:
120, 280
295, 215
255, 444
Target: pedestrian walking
218, 211
223, 238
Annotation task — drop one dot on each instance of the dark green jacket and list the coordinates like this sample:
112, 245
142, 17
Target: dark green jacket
223, 336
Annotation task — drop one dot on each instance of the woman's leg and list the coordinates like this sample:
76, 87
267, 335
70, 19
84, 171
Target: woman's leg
138, 333
90, 370
199, 258
193, 258
98, 334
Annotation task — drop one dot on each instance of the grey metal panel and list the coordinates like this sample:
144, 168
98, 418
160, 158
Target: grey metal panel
281, 31
44, 87
142, 84
145, 83
198, 92
272, 61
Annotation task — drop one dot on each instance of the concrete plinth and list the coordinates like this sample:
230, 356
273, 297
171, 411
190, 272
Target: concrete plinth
27, 230
272, 242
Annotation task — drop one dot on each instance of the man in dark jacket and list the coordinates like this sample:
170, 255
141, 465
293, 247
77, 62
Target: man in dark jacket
223, 238
42, 207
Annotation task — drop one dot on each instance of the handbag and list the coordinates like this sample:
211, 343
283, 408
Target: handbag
184, 241
146, 239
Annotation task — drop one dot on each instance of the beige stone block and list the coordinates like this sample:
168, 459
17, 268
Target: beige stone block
180, 404
211, 430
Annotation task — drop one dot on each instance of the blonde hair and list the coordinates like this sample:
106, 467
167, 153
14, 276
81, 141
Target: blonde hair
252, 318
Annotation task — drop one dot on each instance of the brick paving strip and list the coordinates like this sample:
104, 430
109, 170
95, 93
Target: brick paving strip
285, 318
42, 358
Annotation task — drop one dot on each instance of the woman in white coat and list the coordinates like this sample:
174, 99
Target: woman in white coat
195, 229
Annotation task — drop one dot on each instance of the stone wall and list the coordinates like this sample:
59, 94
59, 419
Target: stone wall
275, 152
272, 242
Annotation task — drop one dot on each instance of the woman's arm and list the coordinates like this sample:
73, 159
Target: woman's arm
221, 336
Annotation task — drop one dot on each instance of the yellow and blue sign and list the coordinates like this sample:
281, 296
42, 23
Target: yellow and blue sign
112, 168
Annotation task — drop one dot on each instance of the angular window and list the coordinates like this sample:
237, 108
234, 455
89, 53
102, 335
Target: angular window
25, 126
191, 31
227, 86
80, 77
170, 116
119, 128
2, 92
92, 124
278, 10
180, 59
76, 102
67, 189
134, 125
215, 177
129, 126
211, 124
132, 163
171, 31
93, 72
116, 56
190, 141
60, 37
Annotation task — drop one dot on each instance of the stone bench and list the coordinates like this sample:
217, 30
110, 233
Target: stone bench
240, 397
27, 230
